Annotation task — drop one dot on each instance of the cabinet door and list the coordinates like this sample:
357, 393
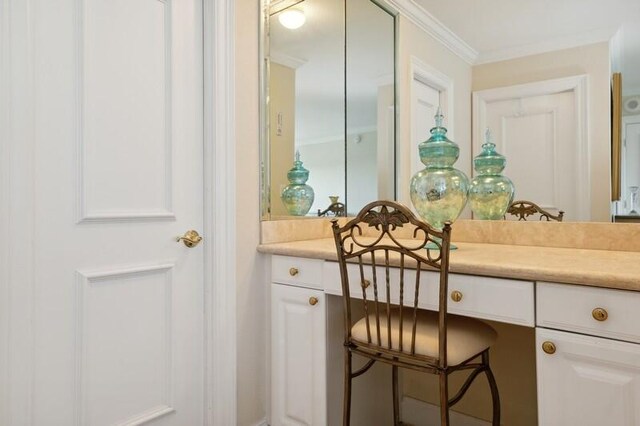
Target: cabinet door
298, 356
587, 380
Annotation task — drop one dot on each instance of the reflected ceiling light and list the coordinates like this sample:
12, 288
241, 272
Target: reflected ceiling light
292, 18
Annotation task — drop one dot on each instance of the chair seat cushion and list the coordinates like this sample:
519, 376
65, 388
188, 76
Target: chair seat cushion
466, 337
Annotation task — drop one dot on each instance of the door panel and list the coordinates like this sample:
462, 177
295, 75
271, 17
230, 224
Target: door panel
118, 311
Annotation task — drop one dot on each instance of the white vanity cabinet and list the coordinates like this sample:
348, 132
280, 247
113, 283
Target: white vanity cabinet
298, 343
584, 376
587, 340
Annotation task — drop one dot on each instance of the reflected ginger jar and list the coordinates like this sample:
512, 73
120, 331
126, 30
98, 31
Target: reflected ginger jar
297, 197
439, 191
490, 192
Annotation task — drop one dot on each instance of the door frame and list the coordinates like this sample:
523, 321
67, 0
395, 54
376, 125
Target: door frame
17, 208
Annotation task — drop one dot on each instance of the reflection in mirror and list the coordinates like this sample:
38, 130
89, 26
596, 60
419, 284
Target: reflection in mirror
370, 48
315, 72
306, 100
627, 208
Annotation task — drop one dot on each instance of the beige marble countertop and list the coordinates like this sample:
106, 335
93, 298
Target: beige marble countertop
598, 268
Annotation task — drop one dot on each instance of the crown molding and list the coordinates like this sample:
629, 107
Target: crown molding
560, 43
436, 29
286, 60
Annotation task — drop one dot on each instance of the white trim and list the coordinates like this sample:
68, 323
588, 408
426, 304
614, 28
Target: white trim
560, 43
219, 219
577, 84
418, 412
286, 60
17, 210
436, 29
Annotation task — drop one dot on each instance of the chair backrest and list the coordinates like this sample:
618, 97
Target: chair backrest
384, 247
523, 209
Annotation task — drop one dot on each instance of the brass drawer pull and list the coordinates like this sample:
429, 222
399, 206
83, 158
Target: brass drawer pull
600, 314
456, 296
313, 301
293, 271
549, 347
366, 283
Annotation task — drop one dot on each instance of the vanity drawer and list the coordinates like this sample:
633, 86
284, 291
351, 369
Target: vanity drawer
497, 299
297, 271
596, 311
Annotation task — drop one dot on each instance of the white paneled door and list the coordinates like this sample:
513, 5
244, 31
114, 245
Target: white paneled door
540, 128
117, 308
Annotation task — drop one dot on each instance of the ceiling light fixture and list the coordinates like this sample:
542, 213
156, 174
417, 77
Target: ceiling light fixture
292, 18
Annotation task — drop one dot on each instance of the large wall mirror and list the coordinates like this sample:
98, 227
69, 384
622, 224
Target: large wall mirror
334, 86
329, 94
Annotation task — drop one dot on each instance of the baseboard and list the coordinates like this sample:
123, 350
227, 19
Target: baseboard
262, 422
415, 412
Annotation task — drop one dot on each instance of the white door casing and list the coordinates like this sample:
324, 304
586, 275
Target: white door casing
76, 298
541, 128
429, 89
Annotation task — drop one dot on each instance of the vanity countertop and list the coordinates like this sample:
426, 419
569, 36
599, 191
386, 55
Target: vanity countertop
598, 268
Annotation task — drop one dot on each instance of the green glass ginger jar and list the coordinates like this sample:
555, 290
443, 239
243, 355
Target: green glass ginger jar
297, 197
439, 192
490, 192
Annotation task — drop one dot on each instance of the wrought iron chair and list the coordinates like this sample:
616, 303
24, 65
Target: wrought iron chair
523, 209
381, 253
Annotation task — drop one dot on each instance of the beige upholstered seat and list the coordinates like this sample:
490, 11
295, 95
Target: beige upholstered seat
466, 337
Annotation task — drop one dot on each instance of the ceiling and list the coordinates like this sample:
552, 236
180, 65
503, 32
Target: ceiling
502, 29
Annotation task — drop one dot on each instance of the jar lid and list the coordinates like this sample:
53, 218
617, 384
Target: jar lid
298, 174
489, 162
438, 150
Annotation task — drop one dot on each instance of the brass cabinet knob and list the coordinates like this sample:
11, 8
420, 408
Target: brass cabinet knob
190, 238
313, 300
366, 283
456, 296
549, 347
293, 271
600, 314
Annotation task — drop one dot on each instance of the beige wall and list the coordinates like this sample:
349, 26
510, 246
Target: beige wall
592, 60
251, 288
282, 100
414, 42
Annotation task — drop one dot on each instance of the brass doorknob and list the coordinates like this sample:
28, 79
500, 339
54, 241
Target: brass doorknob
190, 238
456, 296
366, 283
549, 347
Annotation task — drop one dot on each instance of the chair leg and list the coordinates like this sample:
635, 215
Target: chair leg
396, 395
495, 396
346, 407
444, 399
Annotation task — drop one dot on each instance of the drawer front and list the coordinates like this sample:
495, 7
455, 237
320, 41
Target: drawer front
596, 311
497, 299
297, 271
